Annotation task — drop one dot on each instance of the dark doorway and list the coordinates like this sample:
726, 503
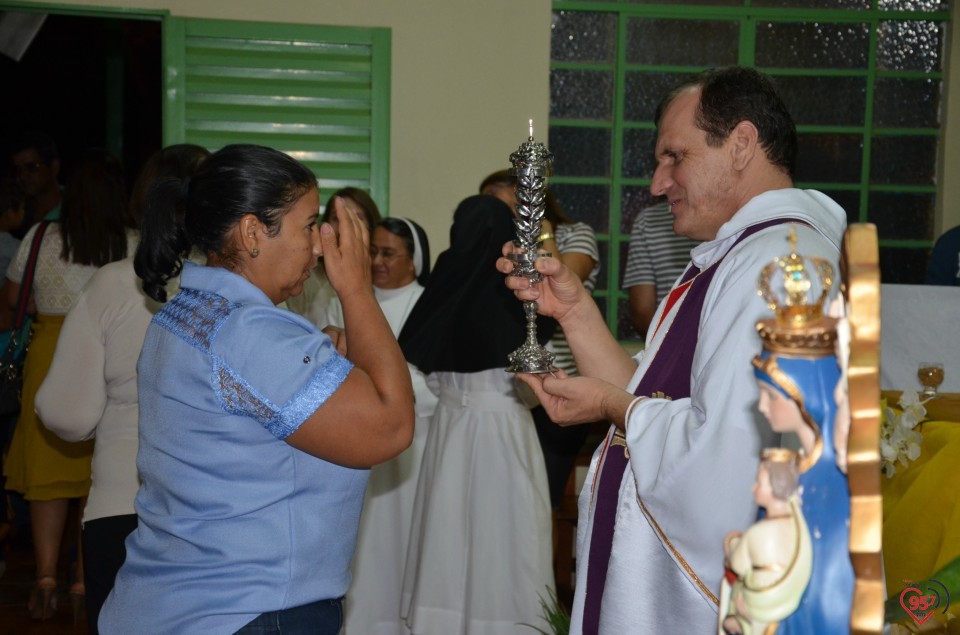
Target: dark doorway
87, 82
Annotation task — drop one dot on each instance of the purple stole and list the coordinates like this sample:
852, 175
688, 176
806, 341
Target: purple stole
668, 376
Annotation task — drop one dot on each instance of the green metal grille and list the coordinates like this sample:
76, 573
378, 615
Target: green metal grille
863, 79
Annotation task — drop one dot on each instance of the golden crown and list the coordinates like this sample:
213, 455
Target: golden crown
795, 288
778, 455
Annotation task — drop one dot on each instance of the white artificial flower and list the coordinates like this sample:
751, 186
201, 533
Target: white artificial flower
899, 440
913, 451
910, 398
888, 451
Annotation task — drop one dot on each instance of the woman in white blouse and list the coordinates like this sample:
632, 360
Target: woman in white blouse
95, 228
90, 391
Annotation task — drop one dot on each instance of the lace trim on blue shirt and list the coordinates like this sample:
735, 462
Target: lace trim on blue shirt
324, 383
195, 316
238, 397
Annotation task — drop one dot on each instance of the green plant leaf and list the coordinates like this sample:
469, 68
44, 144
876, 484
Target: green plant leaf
554, 614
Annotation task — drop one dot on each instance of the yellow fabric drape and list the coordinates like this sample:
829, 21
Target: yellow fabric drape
921, 506
921, 514
39, 464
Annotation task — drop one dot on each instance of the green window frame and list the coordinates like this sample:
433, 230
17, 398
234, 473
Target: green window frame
605, 157
318, 93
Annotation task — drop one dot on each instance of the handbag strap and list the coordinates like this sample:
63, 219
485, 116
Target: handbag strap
26, 285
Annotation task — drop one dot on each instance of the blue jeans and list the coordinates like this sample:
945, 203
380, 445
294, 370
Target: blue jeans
324, 617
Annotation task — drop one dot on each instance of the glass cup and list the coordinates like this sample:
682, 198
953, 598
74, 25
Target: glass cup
930, 375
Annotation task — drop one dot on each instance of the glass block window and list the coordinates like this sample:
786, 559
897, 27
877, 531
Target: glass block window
862, 78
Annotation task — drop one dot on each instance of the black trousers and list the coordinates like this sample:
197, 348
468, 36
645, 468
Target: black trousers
103, 554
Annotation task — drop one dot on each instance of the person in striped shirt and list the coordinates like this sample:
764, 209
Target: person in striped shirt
655, 259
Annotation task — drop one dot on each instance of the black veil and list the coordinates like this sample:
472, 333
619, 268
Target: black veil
467, 320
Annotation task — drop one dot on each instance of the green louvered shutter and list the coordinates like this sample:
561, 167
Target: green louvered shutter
319, 93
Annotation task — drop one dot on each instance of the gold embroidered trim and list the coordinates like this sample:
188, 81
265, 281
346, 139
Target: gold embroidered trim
676, 554
620, 439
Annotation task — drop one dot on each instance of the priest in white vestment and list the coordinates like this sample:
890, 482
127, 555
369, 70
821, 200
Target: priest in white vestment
675, 472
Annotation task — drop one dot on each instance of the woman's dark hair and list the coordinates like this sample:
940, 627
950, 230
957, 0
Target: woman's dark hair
359, 197
500, 177
552, 209
733, 94
203, 210
179, 160
400, 227
94, 217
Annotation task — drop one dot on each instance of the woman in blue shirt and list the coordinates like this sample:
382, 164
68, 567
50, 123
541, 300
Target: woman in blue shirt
255, 430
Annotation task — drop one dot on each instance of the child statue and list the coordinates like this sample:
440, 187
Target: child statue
798, 373
771, 559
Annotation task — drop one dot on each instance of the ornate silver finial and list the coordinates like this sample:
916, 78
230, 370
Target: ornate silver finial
532, 164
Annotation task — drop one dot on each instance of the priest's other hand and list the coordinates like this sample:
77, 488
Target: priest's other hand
572, 400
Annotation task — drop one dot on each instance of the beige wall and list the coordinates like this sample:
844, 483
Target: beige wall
467, 76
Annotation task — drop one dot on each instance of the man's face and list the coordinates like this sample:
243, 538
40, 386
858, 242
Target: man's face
33, 173
697, 179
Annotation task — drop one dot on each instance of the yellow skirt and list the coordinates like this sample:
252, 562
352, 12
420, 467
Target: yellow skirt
39, 464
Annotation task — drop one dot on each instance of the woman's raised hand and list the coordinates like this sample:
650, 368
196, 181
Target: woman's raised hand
341, 203
377, 396
346, 258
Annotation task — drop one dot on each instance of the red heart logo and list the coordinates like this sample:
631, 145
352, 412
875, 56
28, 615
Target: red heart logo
917, 605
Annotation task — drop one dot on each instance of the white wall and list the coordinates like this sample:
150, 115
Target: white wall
467, 76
